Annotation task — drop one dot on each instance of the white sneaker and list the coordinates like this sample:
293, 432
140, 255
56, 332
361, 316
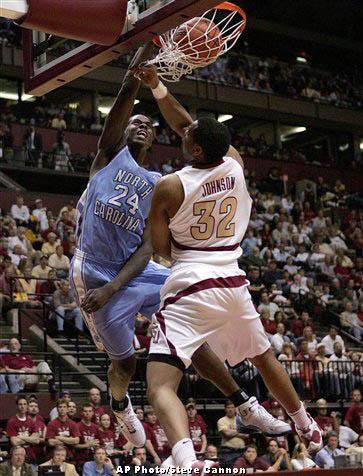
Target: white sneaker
130, 425
312, 436
255, 417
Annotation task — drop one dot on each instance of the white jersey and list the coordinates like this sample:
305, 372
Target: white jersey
210, 224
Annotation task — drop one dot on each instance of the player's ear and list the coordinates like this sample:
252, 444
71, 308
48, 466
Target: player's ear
197, 152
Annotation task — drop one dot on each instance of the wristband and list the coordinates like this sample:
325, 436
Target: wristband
160, 92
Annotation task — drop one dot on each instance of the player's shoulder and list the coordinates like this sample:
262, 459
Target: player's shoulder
168, 184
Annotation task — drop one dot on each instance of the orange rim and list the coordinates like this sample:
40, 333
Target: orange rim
233, 8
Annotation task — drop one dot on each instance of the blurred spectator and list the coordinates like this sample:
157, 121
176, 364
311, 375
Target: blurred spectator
87, 435
357, 450
330, 339
156, 441
40, 429
20, 212
16, 465
101, 466
66, 307
325, 457
251, 460
59, 459
64, 395
278, 340
33, 143
326, 423
73, 411
300, 458
197, 432
60, 262
211, 453
41, 271
62, 154
94, 398
22, 431
63, 431
72, 212
50, 246
232, 443
40, 213
354, 415
22, 371
139, 458
346, 435
114, 443
349, 321
58, 122
273, 454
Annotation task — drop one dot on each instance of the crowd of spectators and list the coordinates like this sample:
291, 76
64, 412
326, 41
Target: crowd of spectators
35, 252
275, 77
86, 439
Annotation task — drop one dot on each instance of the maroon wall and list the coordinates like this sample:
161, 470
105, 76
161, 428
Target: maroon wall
86, 143
52, 202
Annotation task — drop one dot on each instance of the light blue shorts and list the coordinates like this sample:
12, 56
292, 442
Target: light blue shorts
112, 327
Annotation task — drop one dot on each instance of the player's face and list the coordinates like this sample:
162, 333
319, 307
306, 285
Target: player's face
140, 130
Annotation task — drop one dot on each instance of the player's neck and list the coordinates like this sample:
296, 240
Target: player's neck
138, 153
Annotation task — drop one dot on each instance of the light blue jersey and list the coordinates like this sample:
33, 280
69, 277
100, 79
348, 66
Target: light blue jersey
113, 210
111, 218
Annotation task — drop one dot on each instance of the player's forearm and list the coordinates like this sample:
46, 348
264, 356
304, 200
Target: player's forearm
121, 110
174, 113
70, 440
136, 264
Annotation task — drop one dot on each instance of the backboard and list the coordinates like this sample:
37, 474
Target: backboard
51, 62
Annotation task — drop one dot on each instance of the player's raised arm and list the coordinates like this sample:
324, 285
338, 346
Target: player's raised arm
117, 119
174, 113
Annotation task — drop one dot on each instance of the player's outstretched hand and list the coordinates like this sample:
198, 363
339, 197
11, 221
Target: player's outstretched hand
96, 298
148, 75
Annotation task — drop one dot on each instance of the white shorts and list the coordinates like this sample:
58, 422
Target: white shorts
199, 306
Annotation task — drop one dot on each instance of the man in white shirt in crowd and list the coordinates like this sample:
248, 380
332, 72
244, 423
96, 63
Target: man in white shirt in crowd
330, 339
60, 262
40, 214
347, 436
266, 304
21, 240
278, 339
20, 212
325, 457
350, 322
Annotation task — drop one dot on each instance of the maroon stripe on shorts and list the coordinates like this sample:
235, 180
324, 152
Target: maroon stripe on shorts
210, 248
210, 283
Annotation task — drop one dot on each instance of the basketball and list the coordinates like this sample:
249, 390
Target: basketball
199, 39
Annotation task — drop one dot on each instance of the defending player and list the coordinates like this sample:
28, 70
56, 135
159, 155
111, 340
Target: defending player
199, 216
111, 274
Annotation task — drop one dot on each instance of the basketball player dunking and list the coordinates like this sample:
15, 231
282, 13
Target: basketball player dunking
111, 274
198, 218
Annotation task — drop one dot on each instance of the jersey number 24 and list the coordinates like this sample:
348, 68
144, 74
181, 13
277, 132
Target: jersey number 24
132, 201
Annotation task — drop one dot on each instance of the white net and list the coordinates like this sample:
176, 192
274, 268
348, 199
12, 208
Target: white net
199, 42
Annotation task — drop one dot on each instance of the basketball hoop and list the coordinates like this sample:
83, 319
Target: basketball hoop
198, 42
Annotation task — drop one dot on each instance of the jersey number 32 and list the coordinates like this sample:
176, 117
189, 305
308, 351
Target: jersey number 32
211, 222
